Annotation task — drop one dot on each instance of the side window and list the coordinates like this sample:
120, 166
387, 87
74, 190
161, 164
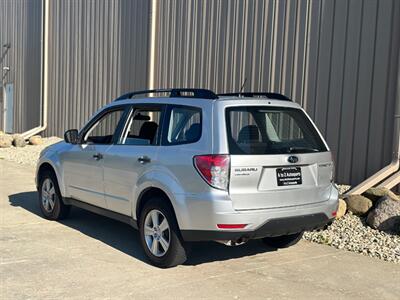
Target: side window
184, 125
142, 127
103, 130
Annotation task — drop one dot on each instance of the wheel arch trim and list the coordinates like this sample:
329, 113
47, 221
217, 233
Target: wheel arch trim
50, 164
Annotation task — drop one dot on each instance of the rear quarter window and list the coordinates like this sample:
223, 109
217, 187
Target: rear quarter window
271, 130
183, 125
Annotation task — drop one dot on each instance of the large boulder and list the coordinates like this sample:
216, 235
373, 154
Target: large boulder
35, 140
342, 208
5, 141
386, 215
374, 194
18, 141
358, 205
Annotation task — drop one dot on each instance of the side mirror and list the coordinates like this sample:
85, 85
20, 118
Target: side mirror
71, 136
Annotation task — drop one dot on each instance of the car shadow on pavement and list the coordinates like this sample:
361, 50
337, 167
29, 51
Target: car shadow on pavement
205, 252
126, 239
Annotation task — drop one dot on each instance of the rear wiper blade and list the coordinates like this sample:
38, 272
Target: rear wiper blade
301, 149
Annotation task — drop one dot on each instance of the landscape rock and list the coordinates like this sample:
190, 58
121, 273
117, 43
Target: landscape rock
358, 205
374, 194
18, 141
5, 141
386, 215
1, 132
35, 140
342, 208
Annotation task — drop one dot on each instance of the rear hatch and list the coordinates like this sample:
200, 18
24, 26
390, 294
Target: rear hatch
278, 158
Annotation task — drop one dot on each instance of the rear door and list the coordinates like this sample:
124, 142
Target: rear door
278, 159
134, 153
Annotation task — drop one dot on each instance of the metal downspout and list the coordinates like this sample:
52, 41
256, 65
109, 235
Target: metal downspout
385, 177
44, 73
394, 180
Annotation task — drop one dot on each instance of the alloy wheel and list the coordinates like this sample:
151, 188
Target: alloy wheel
157, 233
48, 195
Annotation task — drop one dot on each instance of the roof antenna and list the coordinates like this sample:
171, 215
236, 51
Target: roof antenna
244, 83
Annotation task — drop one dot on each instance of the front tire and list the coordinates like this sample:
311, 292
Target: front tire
283, 241
50, 199
160, 235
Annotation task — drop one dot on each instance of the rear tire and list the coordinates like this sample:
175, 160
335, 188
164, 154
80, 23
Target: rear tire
50, 199
283, 241
159, 234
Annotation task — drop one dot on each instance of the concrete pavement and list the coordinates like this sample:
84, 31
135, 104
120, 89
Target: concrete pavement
91, 257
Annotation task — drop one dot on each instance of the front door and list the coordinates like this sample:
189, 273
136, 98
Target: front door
83, 164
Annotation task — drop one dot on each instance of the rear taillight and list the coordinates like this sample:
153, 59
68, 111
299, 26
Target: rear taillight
214, 169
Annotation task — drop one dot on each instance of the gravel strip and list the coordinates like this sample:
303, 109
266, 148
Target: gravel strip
349, 233
353, 234
343, 188
27, 155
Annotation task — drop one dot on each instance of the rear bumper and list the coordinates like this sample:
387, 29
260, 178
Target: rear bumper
199, 221
273, 227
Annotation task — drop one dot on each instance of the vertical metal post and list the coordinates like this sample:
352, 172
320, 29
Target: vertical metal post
45, 67
152, 43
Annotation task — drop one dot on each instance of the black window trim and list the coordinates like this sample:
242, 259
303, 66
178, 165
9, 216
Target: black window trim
131, 111
169, 108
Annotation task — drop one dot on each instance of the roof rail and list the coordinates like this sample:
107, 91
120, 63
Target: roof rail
184, 92
258, 94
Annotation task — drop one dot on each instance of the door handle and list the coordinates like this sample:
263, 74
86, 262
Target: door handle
98, 156
144, 159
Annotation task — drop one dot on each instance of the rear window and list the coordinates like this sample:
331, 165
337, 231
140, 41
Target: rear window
271, 130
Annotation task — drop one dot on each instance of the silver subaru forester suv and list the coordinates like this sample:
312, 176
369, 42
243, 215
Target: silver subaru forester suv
195, 166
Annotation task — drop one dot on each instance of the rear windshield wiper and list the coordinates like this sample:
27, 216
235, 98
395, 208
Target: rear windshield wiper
301, 149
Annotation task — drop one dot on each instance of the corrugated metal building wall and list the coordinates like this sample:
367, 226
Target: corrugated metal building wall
20, 26
98, 51
338, 59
